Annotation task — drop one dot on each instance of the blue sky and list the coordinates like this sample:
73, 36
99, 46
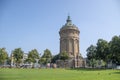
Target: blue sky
35, 24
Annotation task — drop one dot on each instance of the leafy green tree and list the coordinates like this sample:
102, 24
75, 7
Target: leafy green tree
28, 60
47, 56
3, 55
55, 58
9, 61
18, 56
33, 55
115, 49
91, 55
102, 50
42, 61
105, 51
93, 62
91, 52
64, 56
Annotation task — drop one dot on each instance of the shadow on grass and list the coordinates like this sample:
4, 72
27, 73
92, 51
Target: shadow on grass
86, 69
116, 73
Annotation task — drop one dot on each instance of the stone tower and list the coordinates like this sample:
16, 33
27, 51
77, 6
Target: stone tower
69, 42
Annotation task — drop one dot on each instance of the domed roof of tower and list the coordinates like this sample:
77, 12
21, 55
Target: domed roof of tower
69, 25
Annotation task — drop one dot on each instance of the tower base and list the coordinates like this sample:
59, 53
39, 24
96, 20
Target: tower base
71, 63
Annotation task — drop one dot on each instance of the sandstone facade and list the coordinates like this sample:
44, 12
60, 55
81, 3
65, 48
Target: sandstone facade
69, 42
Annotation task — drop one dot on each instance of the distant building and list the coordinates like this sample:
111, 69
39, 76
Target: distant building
69, 42
25, 56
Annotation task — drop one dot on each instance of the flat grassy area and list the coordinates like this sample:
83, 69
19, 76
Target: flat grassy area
58, 74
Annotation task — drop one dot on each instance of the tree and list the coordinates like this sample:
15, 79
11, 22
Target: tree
9, 61
3, 55
63, 56
55, 58
18, 56
115, 49
91, 52
33, 55
91, 55
107, 51
47, 56
28, 60
102, 50
42, 61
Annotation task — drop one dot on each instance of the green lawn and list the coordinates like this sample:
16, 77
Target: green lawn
58, 74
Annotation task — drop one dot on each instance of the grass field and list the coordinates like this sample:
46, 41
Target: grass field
58, 74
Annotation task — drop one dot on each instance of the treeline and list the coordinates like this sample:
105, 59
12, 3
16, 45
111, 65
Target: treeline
18, 57
104, 52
